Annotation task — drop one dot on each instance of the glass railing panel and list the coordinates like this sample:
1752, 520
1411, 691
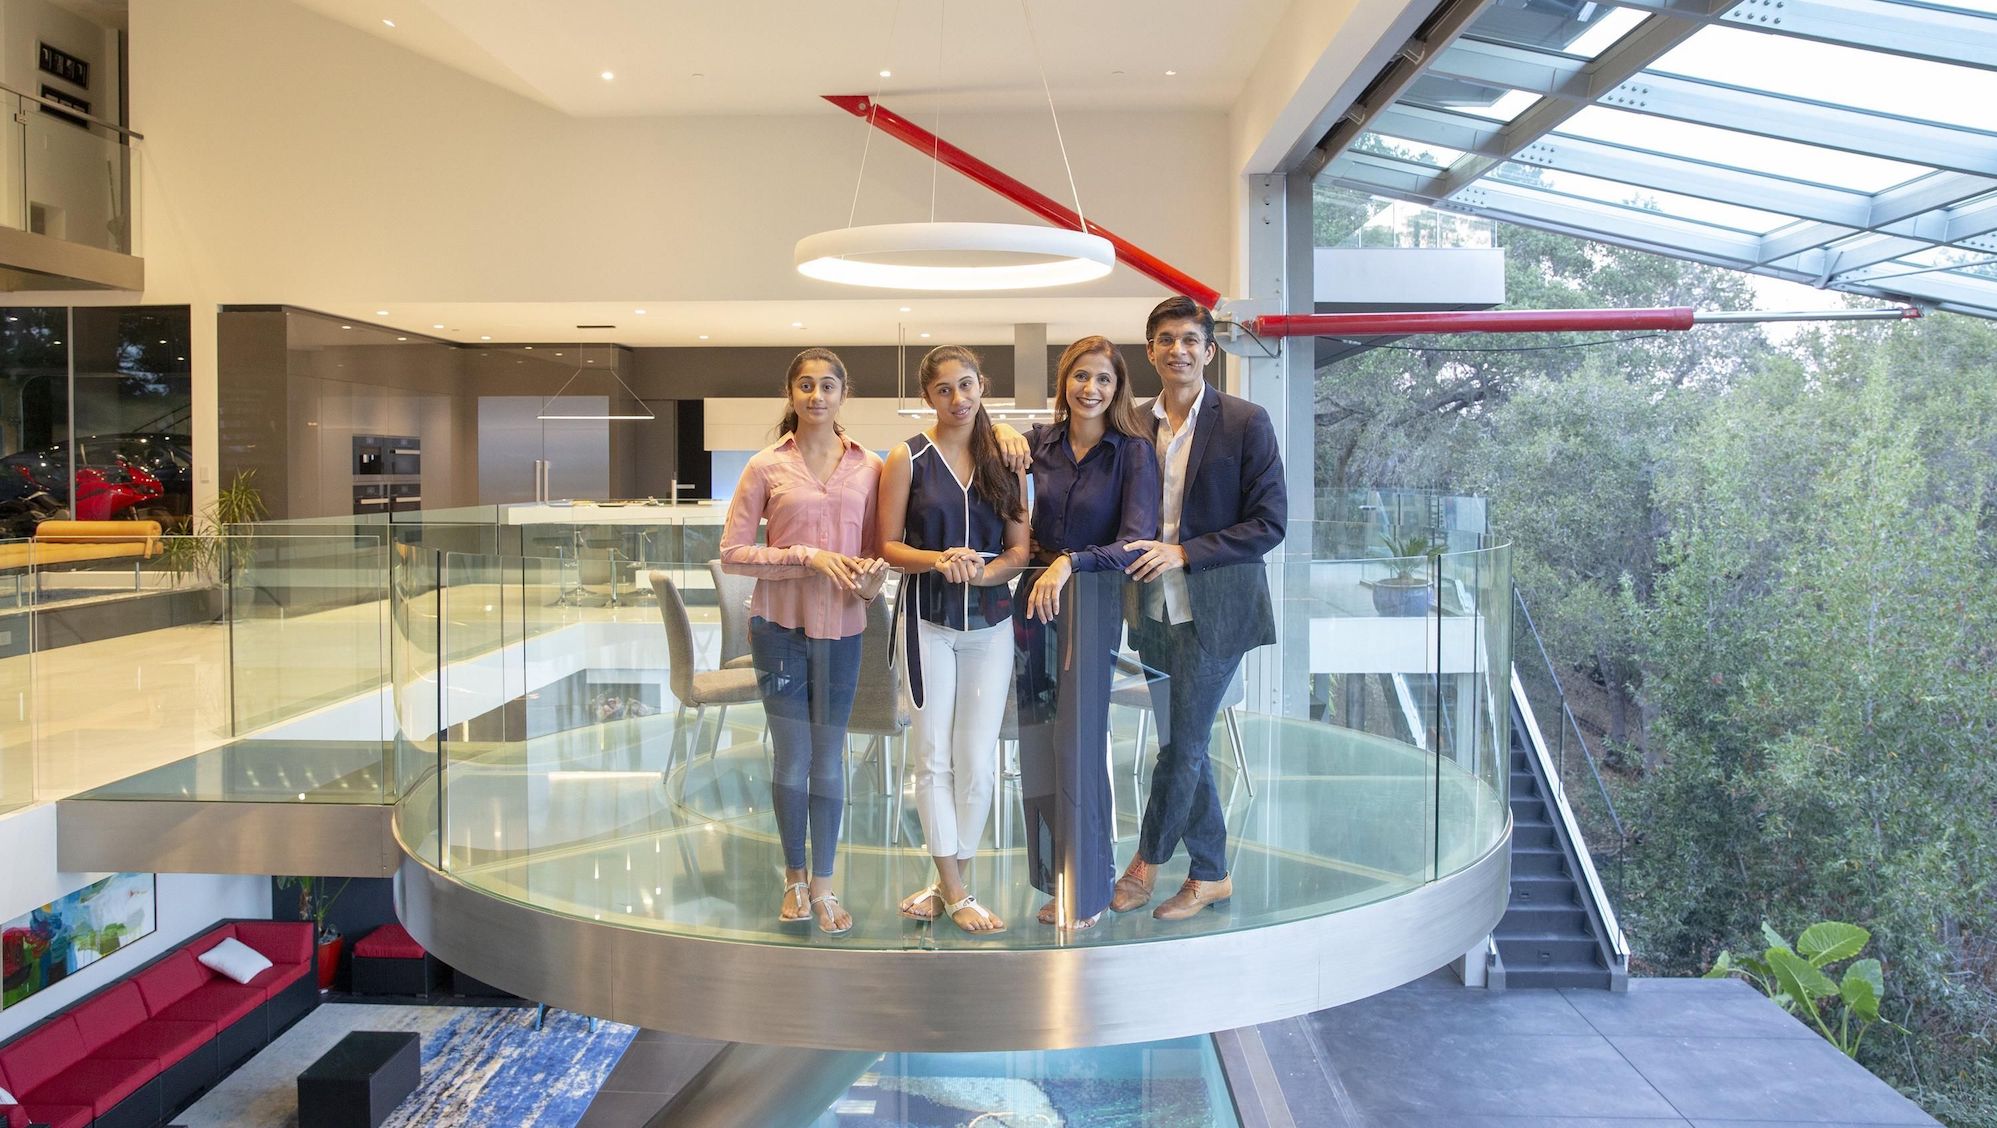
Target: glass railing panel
1471, 618
580, 785
308, 629
77, 179
415, 624
17, 683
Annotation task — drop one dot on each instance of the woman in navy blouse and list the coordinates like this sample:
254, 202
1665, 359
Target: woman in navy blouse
1095, 489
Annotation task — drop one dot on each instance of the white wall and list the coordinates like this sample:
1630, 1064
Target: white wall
185, 905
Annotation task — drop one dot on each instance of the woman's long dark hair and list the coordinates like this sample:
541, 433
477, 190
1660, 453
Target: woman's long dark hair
995, 485
789, 421
1123, 414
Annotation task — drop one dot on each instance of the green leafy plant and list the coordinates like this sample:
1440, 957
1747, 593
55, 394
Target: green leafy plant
1798, 979
313, 904
1406, 551
200, 545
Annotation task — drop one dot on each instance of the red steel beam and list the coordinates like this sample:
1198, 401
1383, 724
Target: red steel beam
1467, 321
922, 140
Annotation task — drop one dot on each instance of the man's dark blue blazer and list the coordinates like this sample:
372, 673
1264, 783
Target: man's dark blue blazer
1234, 513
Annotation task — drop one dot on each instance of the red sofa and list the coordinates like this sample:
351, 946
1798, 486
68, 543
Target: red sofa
141, 1049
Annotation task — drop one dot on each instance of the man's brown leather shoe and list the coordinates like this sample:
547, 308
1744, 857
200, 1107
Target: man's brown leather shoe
1194, 896
1133, 889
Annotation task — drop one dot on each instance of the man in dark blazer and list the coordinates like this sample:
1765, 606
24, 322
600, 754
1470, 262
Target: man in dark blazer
1205, 600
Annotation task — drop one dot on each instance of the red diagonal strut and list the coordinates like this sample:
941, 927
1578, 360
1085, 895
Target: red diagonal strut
1033, 200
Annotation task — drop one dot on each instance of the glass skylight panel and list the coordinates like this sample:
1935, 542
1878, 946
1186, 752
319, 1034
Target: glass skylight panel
1494, 103
1833, 167
1893, 84
1586, 29
1709, 212
1420, 152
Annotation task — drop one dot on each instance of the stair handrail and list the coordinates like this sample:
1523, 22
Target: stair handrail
1554, 771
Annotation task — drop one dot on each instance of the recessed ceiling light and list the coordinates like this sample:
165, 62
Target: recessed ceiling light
609, 76
437, 326
343, 327
530, 348
905, 309
887, 74
162, 340
639, 312
485, 338
924, 334
1170, 73
797, 324
558, 354
402, 338
703, 336
388, 23
381, 313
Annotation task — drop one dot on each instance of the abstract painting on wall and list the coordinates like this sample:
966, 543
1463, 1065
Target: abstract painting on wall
51, 943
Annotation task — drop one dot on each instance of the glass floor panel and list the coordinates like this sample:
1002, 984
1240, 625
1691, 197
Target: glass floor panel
261, 771
1170, 1084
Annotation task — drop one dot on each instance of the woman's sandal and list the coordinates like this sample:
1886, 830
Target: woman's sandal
1048, 915
969, 902
831, 903
909, 904
803, 892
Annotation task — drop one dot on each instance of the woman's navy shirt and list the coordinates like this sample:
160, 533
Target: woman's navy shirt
944, 512
1093, 508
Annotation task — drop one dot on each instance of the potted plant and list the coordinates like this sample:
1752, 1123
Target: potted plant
1410, 590
313, 905
199, 545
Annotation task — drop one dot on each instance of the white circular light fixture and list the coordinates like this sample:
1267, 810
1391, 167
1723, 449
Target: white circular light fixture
955, 256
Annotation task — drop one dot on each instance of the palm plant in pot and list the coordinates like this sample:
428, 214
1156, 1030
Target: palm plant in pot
1410, 590
313, 905
200, 547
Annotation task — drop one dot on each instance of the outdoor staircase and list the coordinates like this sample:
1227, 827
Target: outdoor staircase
1547, 937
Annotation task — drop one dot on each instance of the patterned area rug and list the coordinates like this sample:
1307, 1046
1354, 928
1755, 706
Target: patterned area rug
481, 1066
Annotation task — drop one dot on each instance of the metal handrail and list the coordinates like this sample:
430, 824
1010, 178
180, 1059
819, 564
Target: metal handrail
1570, 725
71, 112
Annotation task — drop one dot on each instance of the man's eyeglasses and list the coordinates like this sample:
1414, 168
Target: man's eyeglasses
1190, 340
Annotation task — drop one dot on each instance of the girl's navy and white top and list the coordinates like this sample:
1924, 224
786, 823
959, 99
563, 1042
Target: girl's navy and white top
945, 512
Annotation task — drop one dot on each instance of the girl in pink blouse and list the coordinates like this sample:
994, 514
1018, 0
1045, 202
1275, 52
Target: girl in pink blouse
815, 574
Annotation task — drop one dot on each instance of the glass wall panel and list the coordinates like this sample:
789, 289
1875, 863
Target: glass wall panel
34, 418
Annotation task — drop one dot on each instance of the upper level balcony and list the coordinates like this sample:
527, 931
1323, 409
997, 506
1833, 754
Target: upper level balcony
67, 198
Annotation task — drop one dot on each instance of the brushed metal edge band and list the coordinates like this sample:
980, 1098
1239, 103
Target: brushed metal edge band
952, 1001
329, 839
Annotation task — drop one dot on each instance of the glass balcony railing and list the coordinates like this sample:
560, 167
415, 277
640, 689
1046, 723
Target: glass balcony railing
65, 173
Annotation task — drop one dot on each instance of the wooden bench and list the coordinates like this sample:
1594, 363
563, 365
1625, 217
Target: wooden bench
70, 544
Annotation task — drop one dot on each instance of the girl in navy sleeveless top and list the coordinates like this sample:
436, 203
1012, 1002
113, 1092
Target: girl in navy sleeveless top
952, 521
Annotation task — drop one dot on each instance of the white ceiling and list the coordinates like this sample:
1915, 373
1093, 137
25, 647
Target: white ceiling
868, 321
679, 57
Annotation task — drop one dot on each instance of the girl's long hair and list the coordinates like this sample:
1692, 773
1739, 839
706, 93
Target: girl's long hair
789, 421
1123, 415
995, 485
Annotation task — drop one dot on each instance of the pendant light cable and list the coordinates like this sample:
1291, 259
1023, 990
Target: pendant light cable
873, 107
936, 147
1033, 42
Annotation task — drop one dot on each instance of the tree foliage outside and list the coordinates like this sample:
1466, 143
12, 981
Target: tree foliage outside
1773, 568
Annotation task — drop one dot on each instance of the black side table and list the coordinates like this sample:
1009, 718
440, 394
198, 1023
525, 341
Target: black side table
358, 1082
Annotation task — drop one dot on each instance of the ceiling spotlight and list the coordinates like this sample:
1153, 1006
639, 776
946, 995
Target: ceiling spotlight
639, 312
530, 348
558, 354
1170, 73
402, 338
923, 334
608, 76
485, 338
438, 326
343, 327
797, 324
388, 23
381, 313
703, 336
887, 74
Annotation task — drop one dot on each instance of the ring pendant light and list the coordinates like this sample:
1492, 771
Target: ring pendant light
958, 257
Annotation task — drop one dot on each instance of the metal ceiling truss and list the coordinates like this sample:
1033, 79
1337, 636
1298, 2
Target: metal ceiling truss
1843, 237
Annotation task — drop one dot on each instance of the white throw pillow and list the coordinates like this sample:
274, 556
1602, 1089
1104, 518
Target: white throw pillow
235, 959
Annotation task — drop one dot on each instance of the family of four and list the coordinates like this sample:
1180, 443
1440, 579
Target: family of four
1025, 558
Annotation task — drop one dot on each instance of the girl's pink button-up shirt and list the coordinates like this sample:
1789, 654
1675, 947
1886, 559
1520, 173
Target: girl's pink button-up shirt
803, 514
